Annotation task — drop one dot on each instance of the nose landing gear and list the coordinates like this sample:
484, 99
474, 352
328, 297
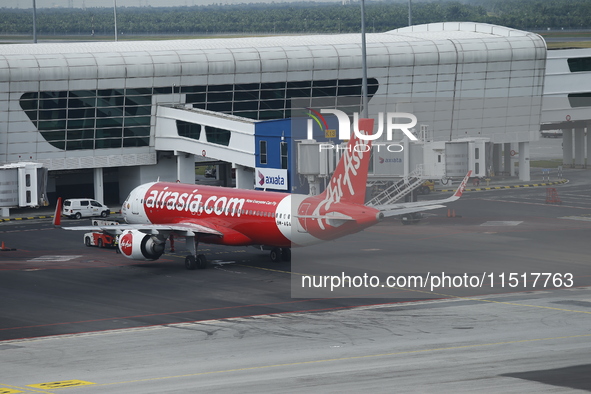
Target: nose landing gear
280, 254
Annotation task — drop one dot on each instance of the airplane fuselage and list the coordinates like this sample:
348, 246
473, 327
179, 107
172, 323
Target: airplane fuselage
247, 217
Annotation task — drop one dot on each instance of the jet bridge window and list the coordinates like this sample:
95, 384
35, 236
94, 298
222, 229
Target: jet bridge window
263, 152
579, 64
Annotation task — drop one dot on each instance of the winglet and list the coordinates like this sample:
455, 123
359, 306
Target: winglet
57, 217
462, 186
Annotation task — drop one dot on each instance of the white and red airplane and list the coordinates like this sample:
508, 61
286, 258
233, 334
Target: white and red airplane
237, 217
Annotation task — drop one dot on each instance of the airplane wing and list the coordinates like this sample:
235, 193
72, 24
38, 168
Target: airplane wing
186, 229
410, 207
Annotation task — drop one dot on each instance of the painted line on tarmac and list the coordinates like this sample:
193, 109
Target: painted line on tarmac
533, 203
479, 189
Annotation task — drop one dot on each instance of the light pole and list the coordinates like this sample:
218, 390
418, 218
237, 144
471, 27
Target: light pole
115, 17
34, 22
363, 63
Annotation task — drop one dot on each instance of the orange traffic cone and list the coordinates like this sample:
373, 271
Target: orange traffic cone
3, 248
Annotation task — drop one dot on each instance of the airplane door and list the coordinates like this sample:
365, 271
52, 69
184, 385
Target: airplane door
135, 206
302, 223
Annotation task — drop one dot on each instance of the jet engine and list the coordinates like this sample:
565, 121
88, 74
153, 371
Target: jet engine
136, 245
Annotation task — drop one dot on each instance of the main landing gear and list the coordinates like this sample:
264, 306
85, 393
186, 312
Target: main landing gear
280, 254
194, 260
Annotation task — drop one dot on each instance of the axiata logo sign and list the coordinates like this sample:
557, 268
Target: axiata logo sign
345, 127
271, 178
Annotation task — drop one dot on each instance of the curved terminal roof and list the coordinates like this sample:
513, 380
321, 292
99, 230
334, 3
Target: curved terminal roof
422, 44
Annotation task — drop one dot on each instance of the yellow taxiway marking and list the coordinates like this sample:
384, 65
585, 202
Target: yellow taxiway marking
5, 390
407, 352
10, 389
62, 384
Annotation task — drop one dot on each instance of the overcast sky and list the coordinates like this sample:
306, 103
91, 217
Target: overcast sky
121, 3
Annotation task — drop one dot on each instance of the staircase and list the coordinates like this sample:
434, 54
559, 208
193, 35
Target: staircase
398, 189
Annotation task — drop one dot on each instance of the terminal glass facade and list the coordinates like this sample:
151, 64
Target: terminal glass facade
116, 118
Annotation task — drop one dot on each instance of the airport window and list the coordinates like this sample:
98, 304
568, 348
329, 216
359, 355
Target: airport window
136, 131
247, 96
219, 107
167, 90
193, 89
272, 94
272, 104
219, 97
476, 154
579, 64
188, 130
220, 88
263, 152
135, 142
246, 106
218, 136
195, 98
284, 155
579, 100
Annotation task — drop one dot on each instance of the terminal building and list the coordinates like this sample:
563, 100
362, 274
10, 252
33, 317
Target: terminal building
103, 117
567, 101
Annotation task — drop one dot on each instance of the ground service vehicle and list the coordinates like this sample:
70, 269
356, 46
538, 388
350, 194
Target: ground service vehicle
84, 207
100, 239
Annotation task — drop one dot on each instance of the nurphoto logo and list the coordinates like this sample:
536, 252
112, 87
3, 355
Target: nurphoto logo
345, 129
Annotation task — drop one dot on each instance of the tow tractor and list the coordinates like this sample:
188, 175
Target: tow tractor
97, 238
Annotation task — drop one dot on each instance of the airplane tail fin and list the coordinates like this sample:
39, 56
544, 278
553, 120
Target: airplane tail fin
57, 216
348, 183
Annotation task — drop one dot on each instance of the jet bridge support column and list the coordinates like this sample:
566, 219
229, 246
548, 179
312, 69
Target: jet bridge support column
588, 147
567, 147
99, 191
244, 177
508, 162
185, 167
524, 170
579, 147
497, 158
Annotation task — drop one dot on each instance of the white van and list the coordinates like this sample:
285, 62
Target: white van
84, 207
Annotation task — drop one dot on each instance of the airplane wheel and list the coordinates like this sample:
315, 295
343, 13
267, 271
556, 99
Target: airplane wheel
100, 243
201, 261
286, 254
190, 262
87, 241
275, 255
